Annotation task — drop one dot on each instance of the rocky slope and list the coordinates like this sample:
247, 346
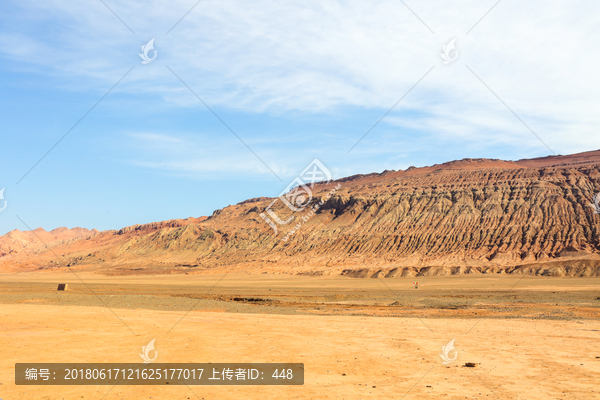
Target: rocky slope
16, 241
468, 216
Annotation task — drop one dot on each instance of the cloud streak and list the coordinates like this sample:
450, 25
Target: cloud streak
312, 57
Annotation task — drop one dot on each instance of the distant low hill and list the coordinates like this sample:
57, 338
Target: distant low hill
17, 241
469, 216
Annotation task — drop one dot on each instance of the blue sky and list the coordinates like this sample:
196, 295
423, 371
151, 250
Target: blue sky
294, 80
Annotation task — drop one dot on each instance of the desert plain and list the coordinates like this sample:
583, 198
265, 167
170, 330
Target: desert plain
531, 337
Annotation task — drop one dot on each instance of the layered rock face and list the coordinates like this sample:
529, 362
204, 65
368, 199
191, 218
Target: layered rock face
468, 216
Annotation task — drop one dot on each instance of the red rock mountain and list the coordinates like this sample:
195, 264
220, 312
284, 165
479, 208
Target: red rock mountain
16, 241
470, 216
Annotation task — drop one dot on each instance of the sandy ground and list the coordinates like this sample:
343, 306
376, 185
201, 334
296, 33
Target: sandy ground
346, 356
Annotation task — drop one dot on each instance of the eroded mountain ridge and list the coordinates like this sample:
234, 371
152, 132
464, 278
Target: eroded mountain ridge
468, 216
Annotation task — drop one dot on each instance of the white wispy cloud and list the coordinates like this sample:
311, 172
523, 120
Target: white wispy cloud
201, 157
267, 56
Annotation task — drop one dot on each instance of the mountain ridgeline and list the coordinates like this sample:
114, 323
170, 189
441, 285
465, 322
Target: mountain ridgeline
471, 216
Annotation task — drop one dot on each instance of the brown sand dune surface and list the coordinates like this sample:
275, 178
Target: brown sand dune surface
471, 216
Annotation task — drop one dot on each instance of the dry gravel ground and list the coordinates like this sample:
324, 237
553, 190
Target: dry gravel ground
536, 340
